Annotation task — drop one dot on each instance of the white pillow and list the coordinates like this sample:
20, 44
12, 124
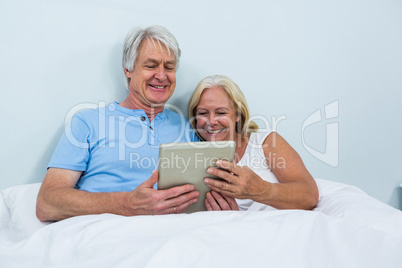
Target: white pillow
18, 208
4, 213
351, 203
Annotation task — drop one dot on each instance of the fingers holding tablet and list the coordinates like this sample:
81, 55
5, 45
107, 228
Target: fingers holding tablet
217, 201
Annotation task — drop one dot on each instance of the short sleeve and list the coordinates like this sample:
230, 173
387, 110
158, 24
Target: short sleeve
72, 151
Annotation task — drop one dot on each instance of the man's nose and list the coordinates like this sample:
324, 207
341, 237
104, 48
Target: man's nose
160, 73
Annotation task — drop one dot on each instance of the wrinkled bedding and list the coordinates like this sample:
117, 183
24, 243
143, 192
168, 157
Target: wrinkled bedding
347, 229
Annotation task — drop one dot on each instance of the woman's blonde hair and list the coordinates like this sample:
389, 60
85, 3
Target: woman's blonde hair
245, 125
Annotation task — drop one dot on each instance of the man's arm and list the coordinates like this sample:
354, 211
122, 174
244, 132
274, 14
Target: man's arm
58, 200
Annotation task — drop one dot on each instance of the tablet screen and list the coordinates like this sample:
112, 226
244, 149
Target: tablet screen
187, 163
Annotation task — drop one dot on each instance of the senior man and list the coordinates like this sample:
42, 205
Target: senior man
106, 159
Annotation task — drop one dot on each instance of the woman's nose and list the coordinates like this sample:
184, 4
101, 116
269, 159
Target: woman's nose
212, 119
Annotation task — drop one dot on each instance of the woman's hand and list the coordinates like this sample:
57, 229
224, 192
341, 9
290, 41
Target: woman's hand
239, 181
216, 201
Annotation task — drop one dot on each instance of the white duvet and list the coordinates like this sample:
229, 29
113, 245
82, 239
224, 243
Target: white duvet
347, 229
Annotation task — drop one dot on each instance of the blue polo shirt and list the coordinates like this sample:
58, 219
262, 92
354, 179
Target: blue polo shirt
117, 148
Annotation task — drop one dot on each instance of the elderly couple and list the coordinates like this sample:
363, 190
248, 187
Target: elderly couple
96, 177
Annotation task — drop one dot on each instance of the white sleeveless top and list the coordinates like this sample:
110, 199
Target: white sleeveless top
255, 159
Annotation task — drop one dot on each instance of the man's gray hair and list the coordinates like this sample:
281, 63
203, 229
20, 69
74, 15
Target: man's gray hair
153, 33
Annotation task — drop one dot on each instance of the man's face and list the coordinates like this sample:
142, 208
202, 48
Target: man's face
153, 80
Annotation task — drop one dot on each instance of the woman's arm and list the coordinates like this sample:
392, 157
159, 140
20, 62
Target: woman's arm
296, 190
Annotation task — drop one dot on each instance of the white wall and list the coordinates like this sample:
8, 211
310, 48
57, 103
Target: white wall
291, 58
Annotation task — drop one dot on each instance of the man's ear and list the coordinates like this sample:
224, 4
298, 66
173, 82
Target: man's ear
127, 73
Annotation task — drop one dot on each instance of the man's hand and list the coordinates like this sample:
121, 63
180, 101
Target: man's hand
58, 200
145, 200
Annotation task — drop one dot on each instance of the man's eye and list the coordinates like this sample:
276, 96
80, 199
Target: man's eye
150, 66
169, 68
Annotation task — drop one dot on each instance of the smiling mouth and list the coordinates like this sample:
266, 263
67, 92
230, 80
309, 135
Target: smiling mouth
214, 131
157, 87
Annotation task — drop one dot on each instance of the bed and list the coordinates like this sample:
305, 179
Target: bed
347, 229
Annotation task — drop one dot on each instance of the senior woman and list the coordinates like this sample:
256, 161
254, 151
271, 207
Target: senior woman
266, 168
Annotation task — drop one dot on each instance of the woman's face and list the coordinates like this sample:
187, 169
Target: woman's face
216, 116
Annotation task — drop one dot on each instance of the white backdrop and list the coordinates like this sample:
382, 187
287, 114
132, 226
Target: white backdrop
328, 72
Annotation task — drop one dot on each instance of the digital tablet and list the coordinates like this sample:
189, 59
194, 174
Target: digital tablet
187, 163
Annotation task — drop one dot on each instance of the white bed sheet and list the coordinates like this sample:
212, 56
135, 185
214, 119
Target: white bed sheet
347, 229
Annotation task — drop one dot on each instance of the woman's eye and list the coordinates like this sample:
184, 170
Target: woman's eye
201, 114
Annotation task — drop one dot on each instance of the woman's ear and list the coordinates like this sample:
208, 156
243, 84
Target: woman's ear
238, 123
238, 117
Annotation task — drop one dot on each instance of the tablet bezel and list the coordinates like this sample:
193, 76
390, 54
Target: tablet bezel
187, 163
